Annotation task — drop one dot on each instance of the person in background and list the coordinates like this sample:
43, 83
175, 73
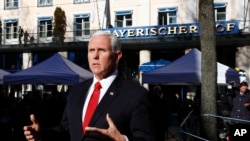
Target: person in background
26, 37
159, 113
178, 108
122, 113
191, 114
240, 104
20, 34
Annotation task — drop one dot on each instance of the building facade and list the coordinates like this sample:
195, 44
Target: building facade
148, 30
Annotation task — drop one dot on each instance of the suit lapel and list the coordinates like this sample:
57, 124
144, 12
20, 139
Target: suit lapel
107, 99
80, 95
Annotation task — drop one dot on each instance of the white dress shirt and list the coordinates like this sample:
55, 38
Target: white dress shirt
105, 83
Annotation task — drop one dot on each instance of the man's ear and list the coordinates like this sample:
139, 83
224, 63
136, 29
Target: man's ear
118, 56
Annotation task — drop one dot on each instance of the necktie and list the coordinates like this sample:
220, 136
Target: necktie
93, 102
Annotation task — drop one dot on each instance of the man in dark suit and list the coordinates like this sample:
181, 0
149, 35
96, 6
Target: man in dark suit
122, 111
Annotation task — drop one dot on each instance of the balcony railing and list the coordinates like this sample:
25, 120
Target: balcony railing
39, 38
76, 36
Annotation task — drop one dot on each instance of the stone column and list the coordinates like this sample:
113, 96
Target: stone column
62, 88
27, 63
145, 56
242, 58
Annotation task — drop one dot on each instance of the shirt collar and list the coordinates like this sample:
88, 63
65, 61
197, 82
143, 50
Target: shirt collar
105, 81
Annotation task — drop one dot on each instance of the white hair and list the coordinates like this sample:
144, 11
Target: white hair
114, 41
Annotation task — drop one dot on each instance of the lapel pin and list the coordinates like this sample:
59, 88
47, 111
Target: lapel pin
111, 93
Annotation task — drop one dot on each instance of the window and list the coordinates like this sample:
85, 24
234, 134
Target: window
81, 1
45, 3
123, 18
167, 16
82, 25
14, 63
10, 4
45, 27
220, 11
11, 26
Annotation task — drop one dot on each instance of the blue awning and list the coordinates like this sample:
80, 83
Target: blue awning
220, 5
127, 12
10, 21
81, 15
44, 18
153, 65
167, 9
187, 70
46, 72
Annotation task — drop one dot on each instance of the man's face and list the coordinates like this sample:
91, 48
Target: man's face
243, 89
102, 61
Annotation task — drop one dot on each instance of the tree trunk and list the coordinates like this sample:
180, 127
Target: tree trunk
208, 69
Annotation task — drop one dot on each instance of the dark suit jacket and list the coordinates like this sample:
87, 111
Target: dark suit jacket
125, 101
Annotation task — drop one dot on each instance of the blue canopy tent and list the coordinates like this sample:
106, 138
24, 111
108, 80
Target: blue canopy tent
148, 66
55, 70
2, 73
187, 70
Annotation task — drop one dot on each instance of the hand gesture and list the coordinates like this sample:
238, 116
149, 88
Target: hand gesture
111, 132
246, 104
32, 132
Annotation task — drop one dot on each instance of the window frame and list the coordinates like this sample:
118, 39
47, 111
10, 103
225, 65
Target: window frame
11, 29
81, 1
44, 3
82, 28
218, 13
11, 4
167, 16
124, 18
45, 27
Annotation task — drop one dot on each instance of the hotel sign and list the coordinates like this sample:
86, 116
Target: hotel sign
176, 30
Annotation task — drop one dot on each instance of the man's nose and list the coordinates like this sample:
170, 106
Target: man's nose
96, 54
